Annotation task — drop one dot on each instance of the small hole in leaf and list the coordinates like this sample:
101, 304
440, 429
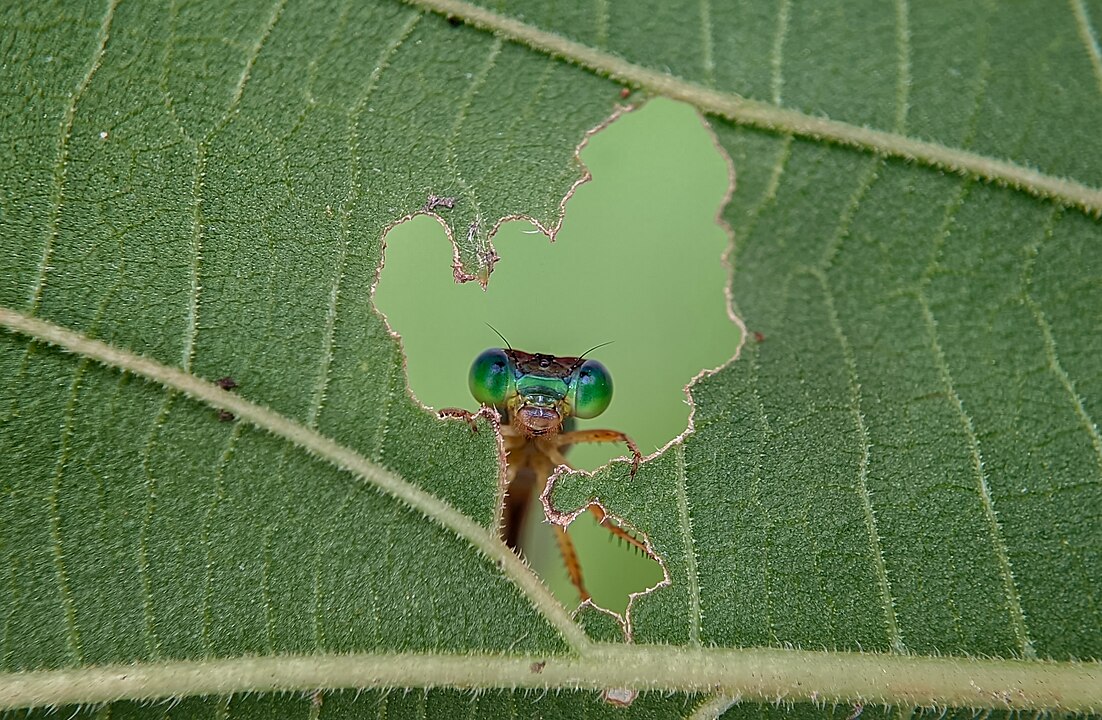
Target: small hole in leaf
637, 262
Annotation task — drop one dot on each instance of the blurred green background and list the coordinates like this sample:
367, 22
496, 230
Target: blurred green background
636, 262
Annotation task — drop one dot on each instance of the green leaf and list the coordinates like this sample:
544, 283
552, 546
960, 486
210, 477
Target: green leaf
890, 497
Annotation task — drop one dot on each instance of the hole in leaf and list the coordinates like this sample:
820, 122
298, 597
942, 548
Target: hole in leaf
637, 262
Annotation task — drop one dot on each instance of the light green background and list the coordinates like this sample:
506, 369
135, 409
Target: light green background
638, 261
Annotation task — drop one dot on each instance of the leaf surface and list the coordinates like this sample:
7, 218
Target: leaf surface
904, 457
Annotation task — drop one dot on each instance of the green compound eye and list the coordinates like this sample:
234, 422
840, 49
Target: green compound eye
591, 391
491, 377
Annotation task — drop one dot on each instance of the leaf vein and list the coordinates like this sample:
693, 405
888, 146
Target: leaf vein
759, 495
1051, 356
323, 447
754, 113
521, 119
204, 534
266, 588
166, 61
308, 98
1089, 37
57, 191
876, 550
250, 60
355, 191
715, 706
1010, 588
384, 412
762, 674
320, 553
684, 518
192, 330
903, 87
152, 637
769, 194
784, 9
68, 605
197, 219
461, 117
601, 22
706, 45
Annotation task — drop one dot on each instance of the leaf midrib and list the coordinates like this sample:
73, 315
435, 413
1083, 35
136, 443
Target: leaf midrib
313, 442
759, 673
754, 113
764, 674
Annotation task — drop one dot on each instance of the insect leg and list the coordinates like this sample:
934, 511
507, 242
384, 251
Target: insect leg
602, 517
570, 558
601, 436
459, 414
606, 522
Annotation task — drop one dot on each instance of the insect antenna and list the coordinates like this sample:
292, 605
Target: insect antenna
595, 347
502, 336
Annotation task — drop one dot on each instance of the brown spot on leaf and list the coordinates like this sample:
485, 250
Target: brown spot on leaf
436, 201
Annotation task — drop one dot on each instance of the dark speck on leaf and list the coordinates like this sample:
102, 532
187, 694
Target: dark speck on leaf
226, 416
537, 667
436, 201
758, 337
226, 383
454, 21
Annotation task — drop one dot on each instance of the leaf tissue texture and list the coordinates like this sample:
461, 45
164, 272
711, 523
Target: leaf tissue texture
208, 187
904, 457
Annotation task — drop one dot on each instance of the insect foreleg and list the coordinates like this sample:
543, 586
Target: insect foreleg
601, 436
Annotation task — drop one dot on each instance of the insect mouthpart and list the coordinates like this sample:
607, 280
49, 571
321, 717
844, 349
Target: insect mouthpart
539, 419
540, 409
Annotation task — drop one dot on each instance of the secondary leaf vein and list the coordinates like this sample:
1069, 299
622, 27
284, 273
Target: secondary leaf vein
341, 457
684, 518
254, 52
1051, 355
461, 117
903, 83
62, 156
204, 535
154, 640
895, 638
68, 605
740, 110
706, 45
777, 54
355, 191
1089, 37
1010, 588
759, 492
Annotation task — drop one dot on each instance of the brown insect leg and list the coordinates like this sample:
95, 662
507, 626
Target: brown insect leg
459, 414
570, 558
602, 436
607, 523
